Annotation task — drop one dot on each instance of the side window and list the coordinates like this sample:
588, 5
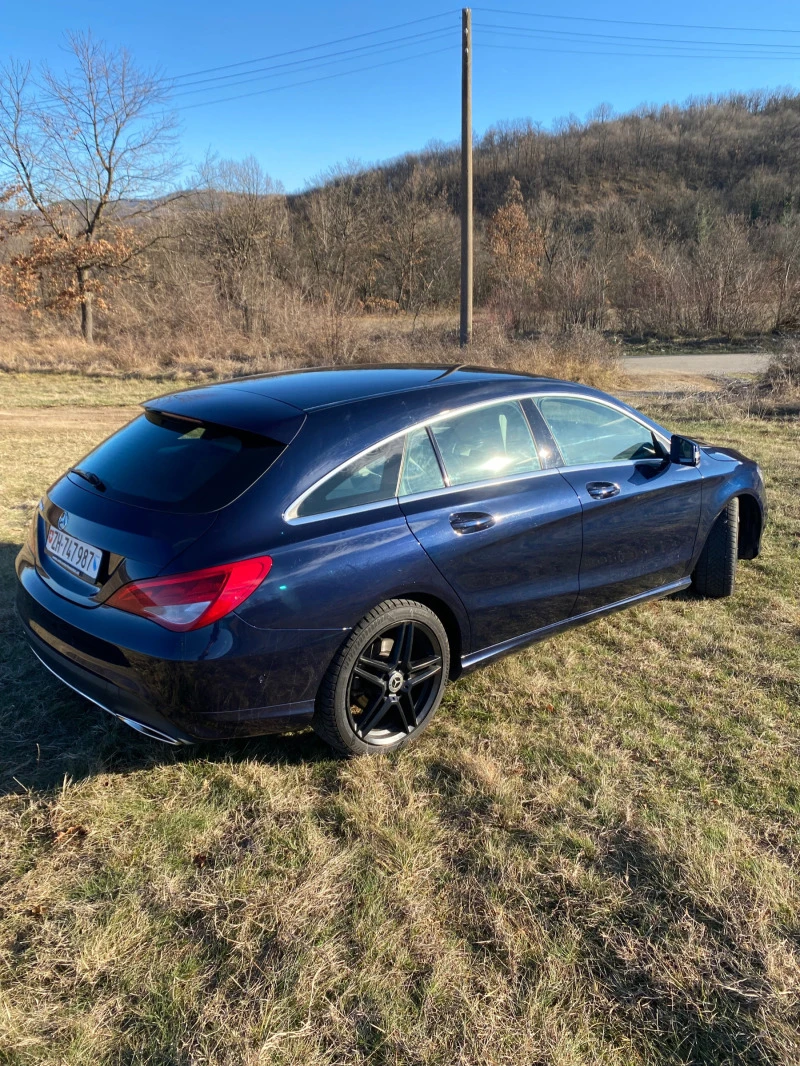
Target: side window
421, 471
486, 443
368, 479
589, 432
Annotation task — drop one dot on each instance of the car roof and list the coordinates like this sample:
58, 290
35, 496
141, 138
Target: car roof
311, 390
314, 389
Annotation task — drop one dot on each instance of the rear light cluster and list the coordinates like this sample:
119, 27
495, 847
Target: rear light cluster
189, 601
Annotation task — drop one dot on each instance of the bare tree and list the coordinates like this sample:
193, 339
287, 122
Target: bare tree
240, 228
90, 149
418, 244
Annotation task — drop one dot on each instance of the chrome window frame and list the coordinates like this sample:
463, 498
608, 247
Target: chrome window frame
292, 518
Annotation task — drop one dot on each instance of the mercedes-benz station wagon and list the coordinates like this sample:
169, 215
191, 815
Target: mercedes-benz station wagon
330, 547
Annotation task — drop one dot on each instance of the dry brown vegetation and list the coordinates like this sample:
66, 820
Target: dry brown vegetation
671, 222
316, 338
772, 394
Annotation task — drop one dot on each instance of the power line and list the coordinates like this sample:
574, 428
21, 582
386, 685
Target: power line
632, 22
312, 63
311, 81
681, 50
526, 31
631, 55
316, 47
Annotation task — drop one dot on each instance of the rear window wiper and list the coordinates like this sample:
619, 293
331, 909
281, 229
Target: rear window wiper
87, 475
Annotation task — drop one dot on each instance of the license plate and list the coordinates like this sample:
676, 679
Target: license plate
74, 553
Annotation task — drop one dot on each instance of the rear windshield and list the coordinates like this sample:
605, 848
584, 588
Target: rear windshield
178, 464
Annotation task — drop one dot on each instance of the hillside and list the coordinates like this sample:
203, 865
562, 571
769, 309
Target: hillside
738, 153
671, 222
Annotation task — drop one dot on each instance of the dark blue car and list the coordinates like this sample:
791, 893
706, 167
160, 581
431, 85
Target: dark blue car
328, 547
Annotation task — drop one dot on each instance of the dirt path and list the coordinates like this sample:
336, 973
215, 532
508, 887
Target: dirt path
689, 373
718, 363
69, 418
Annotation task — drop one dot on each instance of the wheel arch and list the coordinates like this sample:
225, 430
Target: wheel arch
751, 523
449, 620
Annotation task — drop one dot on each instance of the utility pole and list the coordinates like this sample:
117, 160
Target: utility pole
466, 177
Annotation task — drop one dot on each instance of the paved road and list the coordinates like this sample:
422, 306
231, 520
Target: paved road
718, 363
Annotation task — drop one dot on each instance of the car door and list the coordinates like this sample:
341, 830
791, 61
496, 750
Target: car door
504, 531
640, 511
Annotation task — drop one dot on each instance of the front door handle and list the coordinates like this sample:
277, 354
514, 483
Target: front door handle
602, 490
471, 521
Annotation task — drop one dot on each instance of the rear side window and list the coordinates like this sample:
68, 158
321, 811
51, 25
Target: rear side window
486, 443
181, 465
421, 470
589, 432
371, 478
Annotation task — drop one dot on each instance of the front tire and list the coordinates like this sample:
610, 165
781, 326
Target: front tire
715, 573
385, 684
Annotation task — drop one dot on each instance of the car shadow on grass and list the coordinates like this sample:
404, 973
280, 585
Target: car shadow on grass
50, 733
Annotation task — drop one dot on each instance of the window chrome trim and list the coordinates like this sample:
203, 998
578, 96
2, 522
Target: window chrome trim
357, 509
615, 463
291, 516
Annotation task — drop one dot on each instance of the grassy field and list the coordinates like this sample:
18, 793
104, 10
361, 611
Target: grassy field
591, 857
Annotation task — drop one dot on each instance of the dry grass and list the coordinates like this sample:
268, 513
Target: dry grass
782, 376
312, 338
590, 858
773, 395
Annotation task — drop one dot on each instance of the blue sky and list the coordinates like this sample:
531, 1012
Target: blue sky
544, 68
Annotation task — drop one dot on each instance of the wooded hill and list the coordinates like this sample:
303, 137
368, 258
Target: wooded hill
671, 222
740, 152
668, 220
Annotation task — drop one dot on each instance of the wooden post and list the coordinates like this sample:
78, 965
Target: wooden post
466, 177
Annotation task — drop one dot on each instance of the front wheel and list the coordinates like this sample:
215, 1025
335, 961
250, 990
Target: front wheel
715, 573
386, 682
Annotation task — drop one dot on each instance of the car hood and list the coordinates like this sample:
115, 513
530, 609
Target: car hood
723, 455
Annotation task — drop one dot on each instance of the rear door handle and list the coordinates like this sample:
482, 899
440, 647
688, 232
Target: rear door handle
471, 521
602, 490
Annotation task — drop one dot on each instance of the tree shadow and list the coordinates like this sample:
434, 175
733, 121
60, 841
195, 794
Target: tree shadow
50, 733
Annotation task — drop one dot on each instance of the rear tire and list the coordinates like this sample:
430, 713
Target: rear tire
715, 573
385, 684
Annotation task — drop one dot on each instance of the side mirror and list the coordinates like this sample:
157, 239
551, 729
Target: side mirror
683, 451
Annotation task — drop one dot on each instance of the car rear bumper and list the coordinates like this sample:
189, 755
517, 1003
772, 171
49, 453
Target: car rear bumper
236, 681
135, 713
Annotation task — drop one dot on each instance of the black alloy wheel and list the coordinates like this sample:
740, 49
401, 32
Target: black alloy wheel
386, 682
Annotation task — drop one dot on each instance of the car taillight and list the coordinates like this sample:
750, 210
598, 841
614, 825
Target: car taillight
189, 601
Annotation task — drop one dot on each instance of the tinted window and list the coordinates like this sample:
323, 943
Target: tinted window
487, 443
369, 479
421, 471
171, 464
588, 432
